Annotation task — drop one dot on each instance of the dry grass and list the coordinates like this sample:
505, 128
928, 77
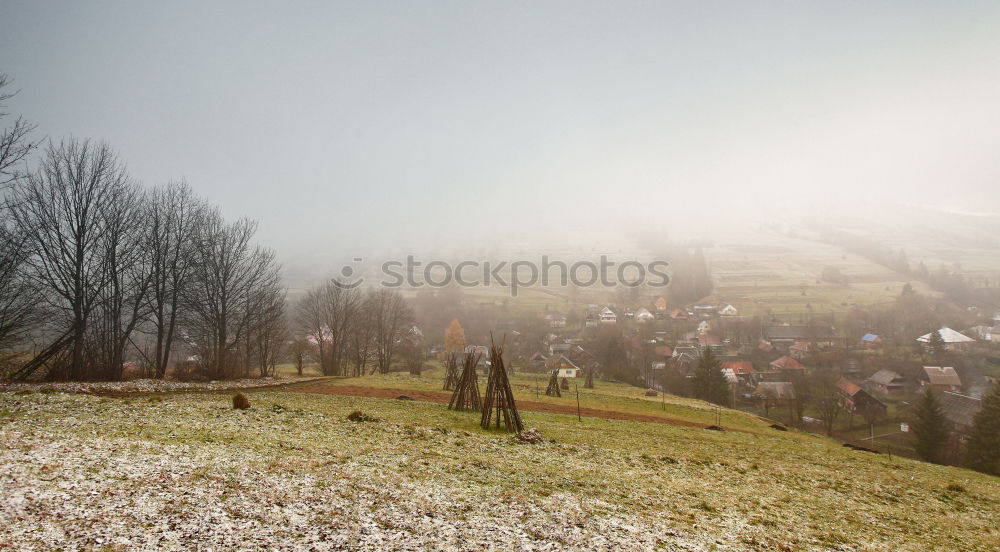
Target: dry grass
188, 471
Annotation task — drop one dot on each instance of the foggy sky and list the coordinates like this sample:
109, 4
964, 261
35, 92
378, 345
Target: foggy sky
365, 125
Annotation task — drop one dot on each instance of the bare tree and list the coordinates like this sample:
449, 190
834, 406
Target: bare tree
328, 314
391, 316
64, 210
19, 297
826, 397
311, 320
342, 305
174, 215
361, 341
127, 276
15, 142
267, 327
227, 272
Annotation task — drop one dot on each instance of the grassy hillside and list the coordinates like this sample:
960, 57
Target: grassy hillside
292, 472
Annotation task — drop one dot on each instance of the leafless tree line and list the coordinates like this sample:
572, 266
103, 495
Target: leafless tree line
97, 271
350, 331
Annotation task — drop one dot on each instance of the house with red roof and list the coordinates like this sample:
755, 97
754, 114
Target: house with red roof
857, 401
800, 350
787, 363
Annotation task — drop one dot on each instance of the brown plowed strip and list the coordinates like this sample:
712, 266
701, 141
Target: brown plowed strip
530, 406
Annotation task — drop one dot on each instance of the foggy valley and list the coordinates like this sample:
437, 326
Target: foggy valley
499, 276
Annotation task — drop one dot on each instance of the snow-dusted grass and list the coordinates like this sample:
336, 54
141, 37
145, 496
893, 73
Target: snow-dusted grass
186, 471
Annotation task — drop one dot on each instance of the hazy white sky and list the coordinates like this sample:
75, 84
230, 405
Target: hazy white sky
344, 126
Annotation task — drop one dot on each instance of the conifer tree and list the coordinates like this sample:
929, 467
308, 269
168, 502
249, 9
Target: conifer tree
930, 428
709, 382
982, 451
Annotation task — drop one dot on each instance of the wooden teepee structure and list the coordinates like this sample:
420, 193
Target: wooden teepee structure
466, 395
451, 372
553, 389
498, 403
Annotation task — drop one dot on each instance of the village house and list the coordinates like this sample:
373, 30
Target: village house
800, 350
870, 340
953, 341
482, 353
555, 320
960, 410
887, 382
786, 336
942, 378
537, 360
608, 316
643, 315
565, 367
660, 304
742, 370
857, 401
787, 363
729, 310
710, 340
690, 350
704, 327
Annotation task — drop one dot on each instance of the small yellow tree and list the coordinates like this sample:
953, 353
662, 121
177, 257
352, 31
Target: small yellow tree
454, 337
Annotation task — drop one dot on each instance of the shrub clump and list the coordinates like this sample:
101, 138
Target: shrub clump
956, 488
359, 416
240, 401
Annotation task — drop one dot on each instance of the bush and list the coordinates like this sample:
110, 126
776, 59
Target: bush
240, 401
359, 416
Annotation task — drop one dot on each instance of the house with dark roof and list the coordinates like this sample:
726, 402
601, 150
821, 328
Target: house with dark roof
691, 350
887, 382
785, 336
537, 360
942, 378
960, 410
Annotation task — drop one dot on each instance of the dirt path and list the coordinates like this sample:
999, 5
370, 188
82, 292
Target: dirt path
438, 397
